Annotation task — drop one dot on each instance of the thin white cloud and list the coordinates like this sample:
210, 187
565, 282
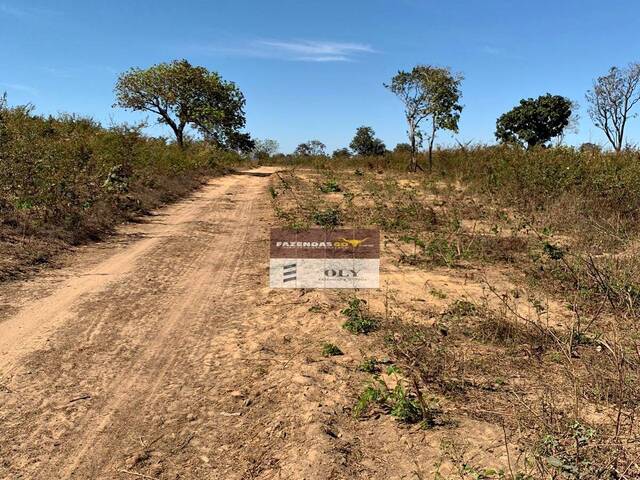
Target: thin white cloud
334, 58
489, 50
58, 72
70, 72
498, 52
18, 87
301, 50
318, 51
23, 12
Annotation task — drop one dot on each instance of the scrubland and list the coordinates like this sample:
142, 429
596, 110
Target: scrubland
509, 296
509, 300
67, 180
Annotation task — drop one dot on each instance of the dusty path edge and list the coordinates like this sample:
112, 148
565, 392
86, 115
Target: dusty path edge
90, 269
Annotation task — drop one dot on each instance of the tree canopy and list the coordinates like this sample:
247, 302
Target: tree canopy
312, 148
431, 93
341, 153
365, 142
185, 95
535, 121
402, 148
264, 149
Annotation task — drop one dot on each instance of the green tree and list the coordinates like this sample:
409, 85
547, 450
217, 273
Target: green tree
312, 148
591, 148
535, 121
402, 148
264, 149
365, 143
341, 153
184, 95
432, 94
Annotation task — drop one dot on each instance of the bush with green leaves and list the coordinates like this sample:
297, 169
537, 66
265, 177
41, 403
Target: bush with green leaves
365, 143
330, 186
359, 319
330, 350
327, 218
397, 402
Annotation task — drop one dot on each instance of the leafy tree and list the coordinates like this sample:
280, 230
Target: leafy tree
264, 149
611, 100
431, 93
341, 153
535, 121
237, 141
365, 143
184, 95
591, 148
402, 148
312, 148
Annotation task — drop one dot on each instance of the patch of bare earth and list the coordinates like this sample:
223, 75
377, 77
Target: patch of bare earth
163, 354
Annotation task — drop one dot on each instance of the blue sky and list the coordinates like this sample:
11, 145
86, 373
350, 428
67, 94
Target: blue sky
315, 69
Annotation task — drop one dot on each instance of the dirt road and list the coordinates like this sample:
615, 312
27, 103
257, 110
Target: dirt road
163, 354
128, 360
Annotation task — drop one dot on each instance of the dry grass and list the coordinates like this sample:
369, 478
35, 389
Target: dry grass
67, 180
555, 359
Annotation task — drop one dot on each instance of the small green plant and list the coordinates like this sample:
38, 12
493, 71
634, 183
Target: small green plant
553, 251
399, 402
331, 350
567, 453
273, 192
327, 218
391, 369
330, 186
442, 251
417, 242
359, 320
404, 407
369, 365
438, 293
461, 308
374, 393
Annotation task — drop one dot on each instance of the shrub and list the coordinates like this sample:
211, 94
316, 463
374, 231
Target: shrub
327, 218
67, 179
330, 186
331, 350
359, 320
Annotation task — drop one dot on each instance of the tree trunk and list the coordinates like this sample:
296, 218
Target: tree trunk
413, 166
178, 131
431, 140
180, 138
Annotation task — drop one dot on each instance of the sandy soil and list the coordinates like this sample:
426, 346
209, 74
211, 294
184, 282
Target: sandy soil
163, 354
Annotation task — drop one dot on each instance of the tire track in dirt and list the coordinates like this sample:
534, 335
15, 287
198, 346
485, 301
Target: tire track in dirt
181, 363
123, 339
206, 279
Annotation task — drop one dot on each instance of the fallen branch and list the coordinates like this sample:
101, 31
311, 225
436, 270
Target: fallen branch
83, 397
